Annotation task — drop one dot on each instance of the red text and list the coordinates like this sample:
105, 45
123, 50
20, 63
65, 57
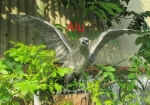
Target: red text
75, 26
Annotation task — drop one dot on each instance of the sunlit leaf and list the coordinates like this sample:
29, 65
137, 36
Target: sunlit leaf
131, 85
132, 76
110, 68
108, 102
105, 74
58, 87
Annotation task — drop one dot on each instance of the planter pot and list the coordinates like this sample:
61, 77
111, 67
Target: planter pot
72, 99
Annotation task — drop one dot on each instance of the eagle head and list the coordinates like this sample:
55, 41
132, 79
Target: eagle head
84, 41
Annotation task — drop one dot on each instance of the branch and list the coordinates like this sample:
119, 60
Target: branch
130, 56
108, 84
24, 99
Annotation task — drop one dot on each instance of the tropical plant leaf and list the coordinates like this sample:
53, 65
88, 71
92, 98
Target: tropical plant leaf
114, 6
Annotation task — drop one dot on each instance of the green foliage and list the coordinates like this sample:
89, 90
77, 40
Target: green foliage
138, 22
126, 80
102, 9
147, 99
73, 34
94, 88
60, 27
109, 10
26, 70
144, 50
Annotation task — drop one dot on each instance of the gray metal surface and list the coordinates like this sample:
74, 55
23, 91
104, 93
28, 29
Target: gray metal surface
112, 52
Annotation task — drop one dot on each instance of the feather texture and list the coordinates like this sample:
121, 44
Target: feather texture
103, 38
51, 35
77, 59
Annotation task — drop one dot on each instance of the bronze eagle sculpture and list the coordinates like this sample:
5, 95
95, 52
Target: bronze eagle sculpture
78, 59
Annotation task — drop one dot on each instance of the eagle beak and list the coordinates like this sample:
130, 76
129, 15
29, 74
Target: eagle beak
85, 42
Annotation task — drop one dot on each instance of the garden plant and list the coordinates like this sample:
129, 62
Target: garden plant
29, 69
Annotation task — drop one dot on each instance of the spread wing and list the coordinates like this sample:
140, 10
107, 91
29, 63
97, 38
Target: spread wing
103, 38
53, 38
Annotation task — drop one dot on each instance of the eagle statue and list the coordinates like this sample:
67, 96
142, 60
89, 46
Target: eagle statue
79, 58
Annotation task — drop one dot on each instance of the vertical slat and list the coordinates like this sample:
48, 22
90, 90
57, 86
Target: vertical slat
110, 53
1, 32
30, 32
4, 26
14, 26
39, 8
22, 29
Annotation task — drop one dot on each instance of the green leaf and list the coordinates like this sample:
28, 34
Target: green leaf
97, 101
103, 14
51, 88
8, 64
110, 11
15, 103
3, 71
63, 71
85, 12
25, 87
44, 64
58, 87
132, 104
43, 86
60, 27
97, 13
41, 69
33, 50
110, 68
114, 6
132, 76
134, 64
133, 69
54, 73
131, 85
92, 7
108, 102
138, 40
105, 74
145, 66
18, 71
111, 76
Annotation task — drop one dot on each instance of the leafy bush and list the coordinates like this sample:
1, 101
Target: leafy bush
128, 82
26, 70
